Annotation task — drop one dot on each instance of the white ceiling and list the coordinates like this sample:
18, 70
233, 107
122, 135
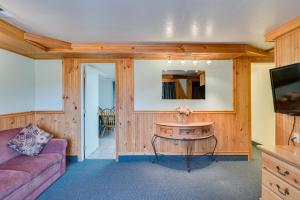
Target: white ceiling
224, 21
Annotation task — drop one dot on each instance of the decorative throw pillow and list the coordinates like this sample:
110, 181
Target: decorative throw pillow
30, 141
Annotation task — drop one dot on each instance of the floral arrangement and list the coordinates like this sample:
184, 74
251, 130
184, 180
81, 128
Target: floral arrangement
183, 113
183, 110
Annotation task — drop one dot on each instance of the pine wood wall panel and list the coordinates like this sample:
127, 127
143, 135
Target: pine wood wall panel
287, 51
16, 120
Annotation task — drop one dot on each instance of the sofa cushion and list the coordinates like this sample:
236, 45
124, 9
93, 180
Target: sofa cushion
30, 141
11, 180
32, 165
7, 153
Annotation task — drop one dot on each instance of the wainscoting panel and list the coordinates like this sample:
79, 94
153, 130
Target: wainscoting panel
16, 120
287, 51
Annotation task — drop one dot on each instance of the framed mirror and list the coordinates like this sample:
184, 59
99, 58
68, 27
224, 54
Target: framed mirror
181, 84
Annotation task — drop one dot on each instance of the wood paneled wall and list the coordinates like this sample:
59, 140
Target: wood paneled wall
233, 130
66, 124
287, 51
15, 120
135, 129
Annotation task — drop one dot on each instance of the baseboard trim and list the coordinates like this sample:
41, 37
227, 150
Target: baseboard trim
128, 158
71, 159
255, 143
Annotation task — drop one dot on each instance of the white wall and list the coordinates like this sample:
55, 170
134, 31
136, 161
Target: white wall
48, 85
106, 78
16, 83
148, 88
106, 92
263, 115
27, 84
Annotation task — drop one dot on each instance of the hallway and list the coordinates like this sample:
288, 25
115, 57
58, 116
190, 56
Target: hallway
107, 147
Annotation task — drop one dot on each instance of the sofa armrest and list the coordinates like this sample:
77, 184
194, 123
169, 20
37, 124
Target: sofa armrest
56, 146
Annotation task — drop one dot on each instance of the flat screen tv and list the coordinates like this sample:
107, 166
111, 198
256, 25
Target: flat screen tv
286, 89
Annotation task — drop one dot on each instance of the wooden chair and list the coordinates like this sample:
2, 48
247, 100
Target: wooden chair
101, 126
108, 119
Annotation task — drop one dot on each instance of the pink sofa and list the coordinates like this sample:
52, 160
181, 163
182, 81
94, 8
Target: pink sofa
24, 177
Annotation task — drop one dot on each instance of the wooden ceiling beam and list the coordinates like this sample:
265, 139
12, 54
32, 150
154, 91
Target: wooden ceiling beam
254, 51
46, 42
41, 47
37, 45
171, 48
12, 39
13, 31
281, 30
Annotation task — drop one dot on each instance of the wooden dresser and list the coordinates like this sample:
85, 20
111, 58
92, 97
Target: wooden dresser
280, 172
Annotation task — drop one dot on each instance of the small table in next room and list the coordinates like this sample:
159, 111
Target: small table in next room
189, 132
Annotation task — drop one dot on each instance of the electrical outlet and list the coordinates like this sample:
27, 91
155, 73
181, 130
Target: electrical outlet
296, 137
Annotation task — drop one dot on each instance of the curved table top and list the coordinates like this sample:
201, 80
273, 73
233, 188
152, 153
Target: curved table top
185, 137
199, 124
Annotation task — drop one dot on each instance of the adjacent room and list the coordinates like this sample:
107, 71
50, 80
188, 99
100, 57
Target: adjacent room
150, 100
99, 100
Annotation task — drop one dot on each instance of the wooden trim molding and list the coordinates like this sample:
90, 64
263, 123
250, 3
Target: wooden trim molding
194, 112
49, 112
283, 29
53, 112
15, 114
225, 153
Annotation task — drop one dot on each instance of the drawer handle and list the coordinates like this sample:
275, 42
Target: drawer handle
286, 173
283, 192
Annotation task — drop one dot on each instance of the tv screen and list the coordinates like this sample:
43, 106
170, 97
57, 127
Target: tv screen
286, 88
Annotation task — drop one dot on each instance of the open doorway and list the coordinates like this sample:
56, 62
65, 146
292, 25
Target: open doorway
99, 99
262, 110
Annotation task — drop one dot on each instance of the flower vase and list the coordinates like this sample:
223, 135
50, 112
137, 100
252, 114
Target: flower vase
181, 118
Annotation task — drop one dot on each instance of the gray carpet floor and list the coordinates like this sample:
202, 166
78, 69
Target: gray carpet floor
166, 180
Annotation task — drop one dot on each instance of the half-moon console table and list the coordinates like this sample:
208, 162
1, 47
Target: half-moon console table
189, 132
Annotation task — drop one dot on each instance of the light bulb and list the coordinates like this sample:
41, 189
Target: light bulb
208, 62
169, 61
195, 62
182, 62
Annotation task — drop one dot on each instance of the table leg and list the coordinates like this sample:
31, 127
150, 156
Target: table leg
216, 142
154, 148
189, 154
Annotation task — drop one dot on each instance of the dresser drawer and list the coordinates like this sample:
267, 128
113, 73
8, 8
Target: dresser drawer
267, 194
165, 131
283, 170
279, 187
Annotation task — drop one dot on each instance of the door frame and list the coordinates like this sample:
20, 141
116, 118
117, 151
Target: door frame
80, 63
